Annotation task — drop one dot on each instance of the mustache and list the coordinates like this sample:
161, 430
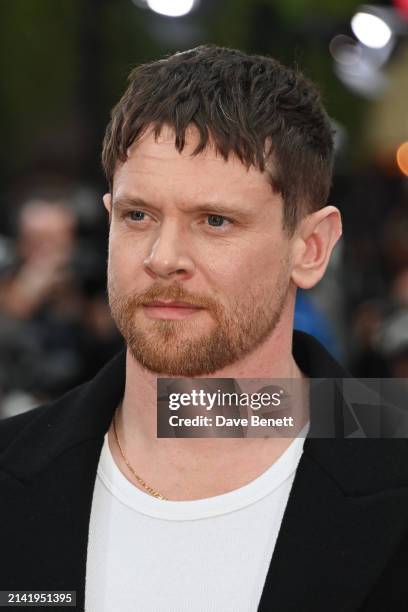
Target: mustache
172, 292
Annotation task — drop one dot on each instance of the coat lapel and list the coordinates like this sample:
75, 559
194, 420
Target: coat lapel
47, 522
47, 477
334, 544
346, 514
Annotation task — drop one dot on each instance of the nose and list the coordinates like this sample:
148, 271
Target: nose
168, 256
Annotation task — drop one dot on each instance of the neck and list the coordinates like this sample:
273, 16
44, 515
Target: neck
193, 468
138, 411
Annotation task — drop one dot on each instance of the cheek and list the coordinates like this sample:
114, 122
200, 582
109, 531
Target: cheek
125, 261
245, 268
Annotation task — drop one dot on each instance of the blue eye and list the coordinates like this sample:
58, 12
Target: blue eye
133, 214
216, 220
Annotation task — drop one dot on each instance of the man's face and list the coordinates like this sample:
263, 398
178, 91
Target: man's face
46, 230
198, 230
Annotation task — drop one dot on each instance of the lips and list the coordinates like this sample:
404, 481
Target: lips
171, 310
163, 304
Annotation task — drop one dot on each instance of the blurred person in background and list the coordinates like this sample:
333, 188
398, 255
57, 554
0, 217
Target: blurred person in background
379, 324
45, 246
219, 166
51, 330
368, 361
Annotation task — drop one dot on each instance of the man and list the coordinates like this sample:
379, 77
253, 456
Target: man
219, 166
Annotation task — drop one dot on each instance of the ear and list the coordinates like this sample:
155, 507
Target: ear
107, 202
313, 244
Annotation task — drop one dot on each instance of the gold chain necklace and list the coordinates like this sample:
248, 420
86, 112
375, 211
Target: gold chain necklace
144, 484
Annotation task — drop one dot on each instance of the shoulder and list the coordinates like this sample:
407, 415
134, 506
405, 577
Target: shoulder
39, 433
12, 426
31, 441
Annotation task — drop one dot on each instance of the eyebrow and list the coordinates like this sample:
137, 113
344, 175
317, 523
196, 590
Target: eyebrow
209, 207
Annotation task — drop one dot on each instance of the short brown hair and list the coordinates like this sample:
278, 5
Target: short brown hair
243, 104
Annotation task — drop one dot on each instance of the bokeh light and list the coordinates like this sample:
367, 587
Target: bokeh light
345, 49
371, 30
171, 8
402, 7
402, 157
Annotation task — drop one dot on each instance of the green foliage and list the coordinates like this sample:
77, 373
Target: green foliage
294, 10
66, 61
39, 64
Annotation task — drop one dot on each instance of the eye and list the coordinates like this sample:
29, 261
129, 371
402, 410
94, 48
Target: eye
217, 221
135, 215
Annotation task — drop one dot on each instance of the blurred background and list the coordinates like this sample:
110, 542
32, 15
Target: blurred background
64, 64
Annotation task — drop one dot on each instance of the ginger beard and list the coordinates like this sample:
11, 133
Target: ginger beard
179, 347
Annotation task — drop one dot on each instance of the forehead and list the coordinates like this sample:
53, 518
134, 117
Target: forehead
155, 163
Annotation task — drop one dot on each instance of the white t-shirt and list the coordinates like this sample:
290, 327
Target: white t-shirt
206, 555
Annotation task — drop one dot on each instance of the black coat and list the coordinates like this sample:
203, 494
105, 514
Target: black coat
343, 543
